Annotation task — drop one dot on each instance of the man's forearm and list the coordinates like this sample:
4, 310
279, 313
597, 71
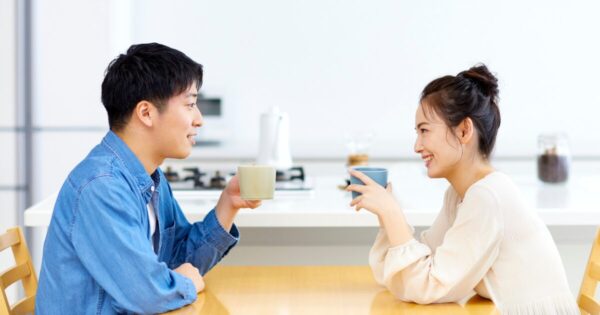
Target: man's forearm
225, 213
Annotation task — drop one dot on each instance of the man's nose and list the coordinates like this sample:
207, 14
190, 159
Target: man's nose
198, 120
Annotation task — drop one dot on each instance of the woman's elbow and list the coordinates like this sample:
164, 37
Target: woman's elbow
419, 296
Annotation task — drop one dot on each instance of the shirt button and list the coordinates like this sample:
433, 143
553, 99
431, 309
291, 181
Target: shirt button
152, 188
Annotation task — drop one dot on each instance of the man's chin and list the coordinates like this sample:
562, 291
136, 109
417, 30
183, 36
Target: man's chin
181, 154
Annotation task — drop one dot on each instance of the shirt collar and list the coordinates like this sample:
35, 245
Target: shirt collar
146, 183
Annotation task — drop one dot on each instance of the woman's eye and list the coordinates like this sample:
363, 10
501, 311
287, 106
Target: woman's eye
192, 105
422, 130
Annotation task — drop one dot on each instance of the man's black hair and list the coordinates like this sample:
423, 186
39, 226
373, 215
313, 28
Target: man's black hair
150, 72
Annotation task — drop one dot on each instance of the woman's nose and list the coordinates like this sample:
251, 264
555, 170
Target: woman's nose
418, 147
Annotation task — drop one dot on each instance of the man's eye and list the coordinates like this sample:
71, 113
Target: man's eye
423, 130
192, 105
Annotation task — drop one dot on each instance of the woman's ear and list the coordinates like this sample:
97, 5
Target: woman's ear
465, 130
144, 112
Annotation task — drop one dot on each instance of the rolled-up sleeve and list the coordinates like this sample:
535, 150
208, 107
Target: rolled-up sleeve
203, 243
208, 242
412, 272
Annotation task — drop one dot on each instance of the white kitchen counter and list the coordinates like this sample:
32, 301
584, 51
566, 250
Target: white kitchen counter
323, 230
576, 203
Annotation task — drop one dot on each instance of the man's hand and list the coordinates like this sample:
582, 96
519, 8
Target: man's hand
230, 202
188, 270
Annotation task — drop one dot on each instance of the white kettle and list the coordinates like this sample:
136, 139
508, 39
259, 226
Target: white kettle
275, 139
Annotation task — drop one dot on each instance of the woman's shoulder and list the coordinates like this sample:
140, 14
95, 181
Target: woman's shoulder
496, 185
495, 181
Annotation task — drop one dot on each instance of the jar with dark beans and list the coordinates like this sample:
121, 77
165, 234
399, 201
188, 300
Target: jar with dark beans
554, 160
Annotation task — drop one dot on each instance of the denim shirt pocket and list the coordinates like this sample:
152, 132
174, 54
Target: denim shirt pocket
167, 240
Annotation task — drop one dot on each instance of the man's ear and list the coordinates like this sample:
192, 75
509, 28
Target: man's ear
144, 112
465, 130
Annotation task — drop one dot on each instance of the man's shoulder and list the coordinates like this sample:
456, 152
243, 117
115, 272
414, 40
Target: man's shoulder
101, 164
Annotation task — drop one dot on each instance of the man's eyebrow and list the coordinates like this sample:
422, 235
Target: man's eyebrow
192, 94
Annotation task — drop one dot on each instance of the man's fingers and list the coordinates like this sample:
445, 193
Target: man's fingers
252, 204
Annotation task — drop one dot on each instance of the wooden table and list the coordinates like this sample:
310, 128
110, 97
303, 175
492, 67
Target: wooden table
309, 290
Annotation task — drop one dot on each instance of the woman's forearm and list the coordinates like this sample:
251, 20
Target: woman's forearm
396, 227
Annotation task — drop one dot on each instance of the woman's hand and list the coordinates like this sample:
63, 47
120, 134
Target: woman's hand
374, 198
381, 202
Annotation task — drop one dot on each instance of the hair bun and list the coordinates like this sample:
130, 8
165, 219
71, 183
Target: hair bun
483, 78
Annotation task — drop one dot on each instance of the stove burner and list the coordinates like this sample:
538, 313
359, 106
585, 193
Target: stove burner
292, 178
196, 176
290, 174
218, 181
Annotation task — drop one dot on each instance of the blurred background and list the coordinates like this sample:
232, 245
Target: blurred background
338, 69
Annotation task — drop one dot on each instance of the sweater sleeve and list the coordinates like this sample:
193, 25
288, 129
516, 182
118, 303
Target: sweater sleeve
469, 247
434, 236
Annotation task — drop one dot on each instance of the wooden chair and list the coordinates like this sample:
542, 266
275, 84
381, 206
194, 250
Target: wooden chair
23, 270
586, 299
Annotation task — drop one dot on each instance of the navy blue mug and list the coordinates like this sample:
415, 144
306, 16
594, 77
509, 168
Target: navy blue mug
378, 174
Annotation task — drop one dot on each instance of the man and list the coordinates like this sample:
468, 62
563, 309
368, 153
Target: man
118, 241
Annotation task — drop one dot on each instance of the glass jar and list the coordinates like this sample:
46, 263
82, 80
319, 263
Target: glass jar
358, 144
554, 158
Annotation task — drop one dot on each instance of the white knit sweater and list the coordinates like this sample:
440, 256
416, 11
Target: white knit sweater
490, 244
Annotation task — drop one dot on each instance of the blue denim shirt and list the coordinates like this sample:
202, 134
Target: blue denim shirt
98, 254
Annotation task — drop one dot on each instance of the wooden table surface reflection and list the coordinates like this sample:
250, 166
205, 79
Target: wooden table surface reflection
309, 290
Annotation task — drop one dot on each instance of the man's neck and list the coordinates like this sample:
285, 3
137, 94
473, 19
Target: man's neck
140, 149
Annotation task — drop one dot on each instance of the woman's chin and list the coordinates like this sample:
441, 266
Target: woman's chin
431, 173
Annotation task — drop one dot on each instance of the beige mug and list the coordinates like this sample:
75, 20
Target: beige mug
257, 182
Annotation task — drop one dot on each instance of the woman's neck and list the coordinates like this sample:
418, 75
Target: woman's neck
468, 173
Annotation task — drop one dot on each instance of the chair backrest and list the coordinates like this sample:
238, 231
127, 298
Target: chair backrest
23, 270
586, 299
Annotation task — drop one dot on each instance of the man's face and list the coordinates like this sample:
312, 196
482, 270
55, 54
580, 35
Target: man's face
175, 127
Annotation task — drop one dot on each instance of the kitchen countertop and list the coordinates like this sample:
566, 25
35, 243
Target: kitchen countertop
576, 203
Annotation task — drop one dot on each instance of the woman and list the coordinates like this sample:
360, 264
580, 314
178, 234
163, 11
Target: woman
485, 240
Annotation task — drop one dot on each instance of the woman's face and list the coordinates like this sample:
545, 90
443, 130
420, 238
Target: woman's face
436, 143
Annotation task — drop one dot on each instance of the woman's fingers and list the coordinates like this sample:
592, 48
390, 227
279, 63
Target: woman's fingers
356, 200
364, 178
357, 188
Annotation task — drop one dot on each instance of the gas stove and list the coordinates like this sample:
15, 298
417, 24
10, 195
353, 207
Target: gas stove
193, 182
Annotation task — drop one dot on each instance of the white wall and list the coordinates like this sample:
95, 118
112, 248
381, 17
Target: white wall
71, 48
339, 66
335, 66
9, 183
